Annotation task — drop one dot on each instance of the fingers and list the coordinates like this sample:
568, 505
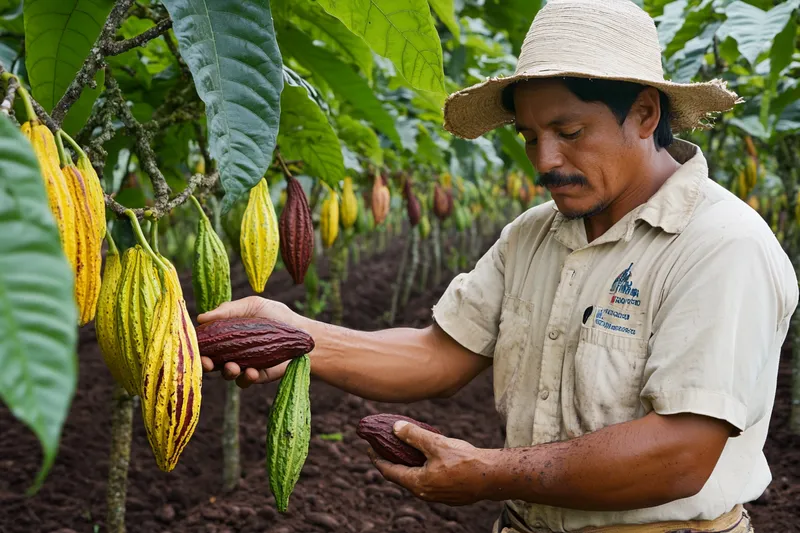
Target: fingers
208, 364
246, 307
422, 439
231, 371
396, 473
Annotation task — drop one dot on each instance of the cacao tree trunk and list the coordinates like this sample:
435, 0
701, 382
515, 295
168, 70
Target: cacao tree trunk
412, 267
119, 459
425, 263
399, 282
436, 240
382, 231
232, 469
336, 268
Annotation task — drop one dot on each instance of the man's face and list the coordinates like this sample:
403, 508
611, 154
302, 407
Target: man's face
584, 158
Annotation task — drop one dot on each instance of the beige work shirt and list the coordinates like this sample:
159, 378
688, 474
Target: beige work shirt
681, 306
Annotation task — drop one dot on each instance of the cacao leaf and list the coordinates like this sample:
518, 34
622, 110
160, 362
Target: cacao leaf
754, 29
230, 48
446, 12
305, 134
514, 147
38, 364
58, 37
400, 30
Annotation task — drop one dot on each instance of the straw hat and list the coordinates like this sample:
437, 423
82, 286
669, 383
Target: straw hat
607, 39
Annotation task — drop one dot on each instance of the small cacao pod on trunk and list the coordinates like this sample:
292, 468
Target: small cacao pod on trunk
296, 232
172, 375
349, 204
378, 431
424, 227
329, 218
289, 431
380, 200
251, 342
105, 323
442, 205
413, 207
260, 238
211, 271
58, 196
138, 292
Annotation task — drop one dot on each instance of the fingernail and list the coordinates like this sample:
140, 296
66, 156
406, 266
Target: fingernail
400, 424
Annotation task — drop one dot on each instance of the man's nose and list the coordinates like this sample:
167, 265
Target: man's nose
545, 156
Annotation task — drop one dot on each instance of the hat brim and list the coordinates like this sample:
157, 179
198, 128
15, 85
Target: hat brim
476, 110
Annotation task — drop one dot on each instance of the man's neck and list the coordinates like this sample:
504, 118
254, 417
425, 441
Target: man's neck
655, 172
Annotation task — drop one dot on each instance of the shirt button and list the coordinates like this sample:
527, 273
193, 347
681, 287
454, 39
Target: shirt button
545, 394
554, 333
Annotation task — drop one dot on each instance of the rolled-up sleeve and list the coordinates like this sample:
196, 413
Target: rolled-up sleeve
717, 334
469, 310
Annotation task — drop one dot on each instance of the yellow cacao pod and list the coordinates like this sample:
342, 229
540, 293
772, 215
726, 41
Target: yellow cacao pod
349, 204
97, 200
259, 240
753, 202
88, 244
751, 172
329, 218
106, 321
171, 376
44, 146
137, 296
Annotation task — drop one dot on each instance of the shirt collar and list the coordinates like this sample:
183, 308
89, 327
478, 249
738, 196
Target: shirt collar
670, 208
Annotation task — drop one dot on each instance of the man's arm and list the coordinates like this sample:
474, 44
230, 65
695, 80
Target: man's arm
633, 465
393, 365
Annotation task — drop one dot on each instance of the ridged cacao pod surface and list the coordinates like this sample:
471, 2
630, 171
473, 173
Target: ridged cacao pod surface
329, 219
349, 204
289, 431
172, 377
97, 200
378, 431
58, 196
137, 294
106, 320
380, 200
296, 232
260, 239
211, 271
251, 342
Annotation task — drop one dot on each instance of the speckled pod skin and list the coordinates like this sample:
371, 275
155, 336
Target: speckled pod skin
260, 239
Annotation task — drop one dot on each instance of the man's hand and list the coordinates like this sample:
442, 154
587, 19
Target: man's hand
453, 473
252, 306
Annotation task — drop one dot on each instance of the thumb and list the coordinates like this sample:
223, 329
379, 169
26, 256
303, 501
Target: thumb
421, 439
246, 307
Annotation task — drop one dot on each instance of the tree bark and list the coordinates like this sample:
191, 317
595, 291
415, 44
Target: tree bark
399, 282
119, 459
412, 267
232, 468
436, 238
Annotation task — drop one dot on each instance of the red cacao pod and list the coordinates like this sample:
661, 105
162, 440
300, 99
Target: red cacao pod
442, 203
251, 342
380, 200
413, 207
378, 431
296, 232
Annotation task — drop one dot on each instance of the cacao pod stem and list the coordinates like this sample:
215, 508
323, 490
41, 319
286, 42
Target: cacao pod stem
137, 230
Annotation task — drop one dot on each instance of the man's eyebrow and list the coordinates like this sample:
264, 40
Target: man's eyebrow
558, 121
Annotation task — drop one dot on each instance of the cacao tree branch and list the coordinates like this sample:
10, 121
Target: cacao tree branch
44, 117
11, 93
94, 61
113, 48
283, 165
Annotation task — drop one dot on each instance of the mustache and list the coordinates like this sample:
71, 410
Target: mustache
554, 179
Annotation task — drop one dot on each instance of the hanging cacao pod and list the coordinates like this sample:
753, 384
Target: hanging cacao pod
442, 203
211, 271
105, 323
172, 375
289, 431
349, 204
380, 200
296, 232
260, 238
58, 196
412, 204
97, 199
751, 147
329, 218
751, 172
137, 295
424, 227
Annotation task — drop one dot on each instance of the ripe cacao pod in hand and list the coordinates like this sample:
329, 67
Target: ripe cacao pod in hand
260, 238
296, 232
251, 342
380, 200
211, 272
378, 431
329, 218
289, 431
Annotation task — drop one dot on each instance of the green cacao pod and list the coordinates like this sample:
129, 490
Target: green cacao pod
424, 227
138, 292
289, 431
260, 238
211, 271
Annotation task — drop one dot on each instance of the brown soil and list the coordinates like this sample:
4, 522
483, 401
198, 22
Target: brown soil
339, 490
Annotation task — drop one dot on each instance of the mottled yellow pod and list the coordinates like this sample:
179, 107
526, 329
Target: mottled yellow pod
259, 240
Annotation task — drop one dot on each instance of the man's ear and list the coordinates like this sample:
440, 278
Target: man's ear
646, 112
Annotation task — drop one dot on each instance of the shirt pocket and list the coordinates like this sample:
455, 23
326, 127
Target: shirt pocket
512, 343
608, 372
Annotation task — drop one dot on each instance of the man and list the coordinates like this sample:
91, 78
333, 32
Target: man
633, 324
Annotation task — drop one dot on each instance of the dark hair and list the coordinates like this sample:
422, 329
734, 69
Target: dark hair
618, 96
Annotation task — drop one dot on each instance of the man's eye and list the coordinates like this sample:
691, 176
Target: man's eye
571, 136
531, 142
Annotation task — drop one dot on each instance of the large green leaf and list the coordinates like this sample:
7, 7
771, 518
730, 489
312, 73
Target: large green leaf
342, 79
58, 37
512, 145
754, 29
696, 20
686, 63
38, 332
361, 138
312, 19
670, 21
305, 134
446, 11
401, 30
231, 50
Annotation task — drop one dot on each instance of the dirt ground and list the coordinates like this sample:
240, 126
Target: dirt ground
339, 490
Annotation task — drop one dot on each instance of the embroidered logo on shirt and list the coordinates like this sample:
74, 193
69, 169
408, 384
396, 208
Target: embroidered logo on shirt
622, 290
